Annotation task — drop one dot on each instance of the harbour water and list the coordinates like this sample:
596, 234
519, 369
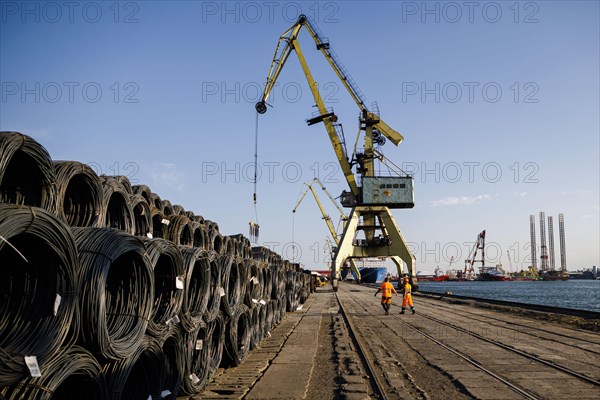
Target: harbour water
577, 294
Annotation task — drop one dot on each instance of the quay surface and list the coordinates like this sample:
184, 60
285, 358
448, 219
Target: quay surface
341, 345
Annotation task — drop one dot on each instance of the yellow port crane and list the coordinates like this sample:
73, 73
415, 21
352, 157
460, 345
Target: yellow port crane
370, 202
326, 217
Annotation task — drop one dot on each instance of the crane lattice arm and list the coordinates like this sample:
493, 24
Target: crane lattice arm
326, 217
288, 42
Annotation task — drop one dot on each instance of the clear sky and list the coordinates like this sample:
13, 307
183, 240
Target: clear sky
498, 103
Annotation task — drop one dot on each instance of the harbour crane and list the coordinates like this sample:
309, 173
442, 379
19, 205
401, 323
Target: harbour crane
372, 199
469, 272
326, 217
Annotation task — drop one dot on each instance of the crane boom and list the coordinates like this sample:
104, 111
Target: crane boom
287, 43
326, 217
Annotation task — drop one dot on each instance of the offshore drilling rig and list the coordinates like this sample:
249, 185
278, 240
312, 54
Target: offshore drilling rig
370, 196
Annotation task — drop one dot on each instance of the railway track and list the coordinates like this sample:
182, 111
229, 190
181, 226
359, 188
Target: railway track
362, 317
521, 327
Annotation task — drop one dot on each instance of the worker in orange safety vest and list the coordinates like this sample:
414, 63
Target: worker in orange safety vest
386, 290
407, 298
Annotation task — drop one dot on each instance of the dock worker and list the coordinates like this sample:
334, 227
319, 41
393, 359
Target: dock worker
386, 290
407, 298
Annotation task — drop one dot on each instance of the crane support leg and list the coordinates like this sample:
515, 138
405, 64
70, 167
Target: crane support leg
396, 247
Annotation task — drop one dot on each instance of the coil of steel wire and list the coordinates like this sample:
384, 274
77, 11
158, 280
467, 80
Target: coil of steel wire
216, 291
216, 240
198, 218
159, 224
169, 278
253, 289
38, 287
255, 336
179, 230
26, 172
198, 234
174, 353
79, 195
270, 316
73, 374
230, 281
117, 291
197, 362
138, 376
167, 208
197, 265
125, 182
216, 333
156, 201
145, 192
262, 321
278, 289
280, 309
116, 210
142, 217
179, 210
237, 337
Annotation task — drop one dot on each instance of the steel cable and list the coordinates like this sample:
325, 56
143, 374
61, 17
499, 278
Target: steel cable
38, 288
116, 210
73, 374
197, 266
230, 281
179, 210
142, 216
216, 291
254, 289
237, 337
145, 192
159, 224
140, 375
79, 194
197, 359
216, 332
179, 230
167, 208
255, 336
167, 265
174, 362
27, 175
117, 291
216, 240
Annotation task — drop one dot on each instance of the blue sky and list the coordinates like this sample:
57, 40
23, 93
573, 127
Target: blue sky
498, 103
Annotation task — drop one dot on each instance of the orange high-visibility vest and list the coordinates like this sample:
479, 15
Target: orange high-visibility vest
386, 289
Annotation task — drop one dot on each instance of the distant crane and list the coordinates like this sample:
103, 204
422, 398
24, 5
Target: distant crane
326, 217
509, 261
469, 272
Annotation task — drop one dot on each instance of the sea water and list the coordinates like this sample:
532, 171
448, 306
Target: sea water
577, 293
